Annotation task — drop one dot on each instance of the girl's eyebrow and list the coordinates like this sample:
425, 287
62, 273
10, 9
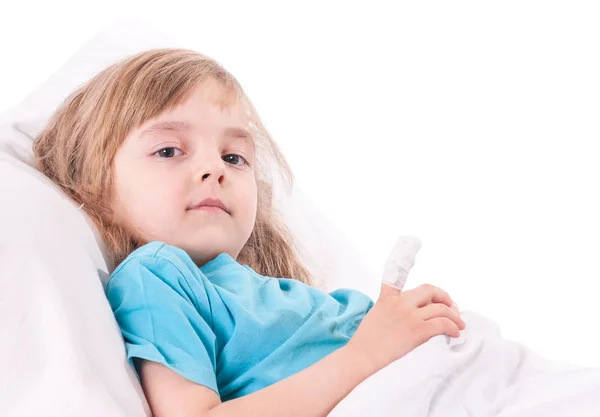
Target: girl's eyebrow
176, 126
166, 127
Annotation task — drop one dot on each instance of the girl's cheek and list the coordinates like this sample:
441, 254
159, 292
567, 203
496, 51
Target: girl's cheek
161, 194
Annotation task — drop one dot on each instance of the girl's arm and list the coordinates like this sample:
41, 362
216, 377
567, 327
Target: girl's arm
314, 391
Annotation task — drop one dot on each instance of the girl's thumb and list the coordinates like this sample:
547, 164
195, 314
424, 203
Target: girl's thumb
399, 264
387, 290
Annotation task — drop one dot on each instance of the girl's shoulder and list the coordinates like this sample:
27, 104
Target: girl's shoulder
160, 258
156, 250
162, 271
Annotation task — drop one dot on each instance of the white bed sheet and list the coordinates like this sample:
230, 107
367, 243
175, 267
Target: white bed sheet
480, 374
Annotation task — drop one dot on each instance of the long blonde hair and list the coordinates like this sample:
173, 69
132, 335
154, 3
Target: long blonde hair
77, 147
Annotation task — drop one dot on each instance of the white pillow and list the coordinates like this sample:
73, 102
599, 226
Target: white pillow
61, 347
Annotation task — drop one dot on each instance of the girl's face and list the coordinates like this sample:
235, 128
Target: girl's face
168, 167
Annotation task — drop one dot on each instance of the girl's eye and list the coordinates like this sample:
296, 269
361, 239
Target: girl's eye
234, 159
168, 152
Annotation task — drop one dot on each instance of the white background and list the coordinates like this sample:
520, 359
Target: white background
472, 125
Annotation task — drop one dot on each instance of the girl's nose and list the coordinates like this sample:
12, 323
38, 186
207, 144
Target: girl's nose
212, 169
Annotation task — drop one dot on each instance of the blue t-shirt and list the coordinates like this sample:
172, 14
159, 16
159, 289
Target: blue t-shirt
223, 325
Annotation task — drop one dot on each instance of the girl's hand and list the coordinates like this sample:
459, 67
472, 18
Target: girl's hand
401, 321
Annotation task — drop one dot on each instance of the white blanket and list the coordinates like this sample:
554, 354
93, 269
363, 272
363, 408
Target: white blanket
478, 375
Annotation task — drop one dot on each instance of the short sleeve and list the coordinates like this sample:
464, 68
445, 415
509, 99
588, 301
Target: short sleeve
162, 318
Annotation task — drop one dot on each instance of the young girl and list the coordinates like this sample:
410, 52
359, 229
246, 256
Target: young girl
167, 155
